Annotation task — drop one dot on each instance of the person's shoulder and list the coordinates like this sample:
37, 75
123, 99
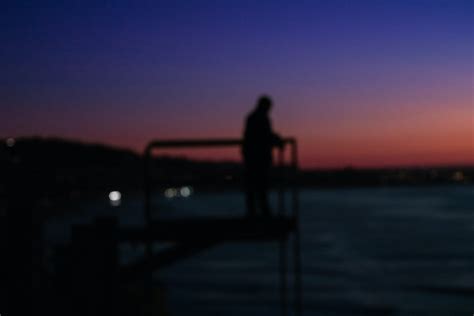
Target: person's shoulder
251, 116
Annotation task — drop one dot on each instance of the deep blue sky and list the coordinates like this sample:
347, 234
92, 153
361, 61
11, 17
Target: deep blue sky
347, 77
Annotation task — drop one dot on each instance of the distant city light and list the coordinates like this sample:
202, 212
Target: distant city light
10, 142
171, 193
115, 198
185, 191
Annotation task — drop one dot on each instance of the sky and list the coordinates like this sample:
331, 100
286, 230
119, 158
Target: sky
362, 83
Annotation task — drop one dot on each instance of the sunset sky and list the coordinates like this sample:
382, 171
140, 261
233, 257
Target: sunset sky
361, 83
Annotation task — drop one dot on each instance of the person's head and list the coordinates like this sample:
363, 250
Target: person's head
264, 104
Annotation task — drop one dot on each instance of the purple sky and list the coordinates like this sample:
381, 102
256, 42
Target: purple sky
364, 83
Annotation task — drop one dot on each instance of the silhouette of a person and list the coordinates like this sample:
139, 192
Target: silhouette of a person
259, 139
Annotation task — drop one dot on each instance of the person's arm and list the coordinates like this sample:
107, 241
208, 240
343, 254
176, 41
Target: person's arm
275, 139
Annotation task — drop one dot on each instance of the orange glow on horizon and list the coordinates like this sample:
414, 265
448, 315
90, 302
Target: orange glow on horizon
407, 136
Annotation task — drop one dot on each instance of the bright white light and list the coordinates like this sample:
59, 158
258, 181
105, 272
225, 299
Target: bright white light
171, 193
115, 196
185, 191
10, 142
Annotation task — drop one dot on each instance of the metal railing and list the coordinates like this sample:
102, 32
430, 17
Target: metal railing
294, 214
223, 142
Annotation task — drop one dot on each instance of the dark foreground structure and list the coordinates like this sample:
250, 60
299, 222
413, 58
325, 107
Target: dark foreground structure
193, 235
87, 275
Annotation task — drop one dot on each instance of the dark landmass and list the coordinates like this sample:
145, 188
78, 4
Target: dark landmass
68, 168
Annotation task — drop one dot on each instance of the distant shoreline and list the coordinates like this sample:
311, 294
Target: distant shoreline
61, 167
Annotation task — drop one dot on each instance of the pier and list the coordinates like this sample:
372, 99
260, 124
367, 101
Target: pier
93, 253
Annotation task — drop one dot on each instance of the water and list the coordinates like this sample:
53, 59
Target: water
378, 251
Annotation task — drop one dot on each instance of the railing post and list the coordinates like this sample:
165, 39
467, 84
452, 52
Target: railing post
283, 243
297, 243
148, 282
147, 185
281, 190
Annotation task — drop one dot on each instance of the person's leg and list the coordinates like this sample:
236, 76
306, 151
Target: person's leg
250, 202
249, 193
262, 192
263, 202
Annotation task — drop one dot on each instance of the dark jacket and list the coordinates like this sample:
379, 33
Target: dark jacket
259, 140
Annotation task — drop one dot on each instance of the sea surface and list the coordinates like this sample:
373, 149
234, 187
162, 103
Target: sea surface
366, 251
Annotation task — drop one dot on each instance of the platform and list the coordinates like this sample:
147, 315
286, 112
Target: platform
213, 229
189, 236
